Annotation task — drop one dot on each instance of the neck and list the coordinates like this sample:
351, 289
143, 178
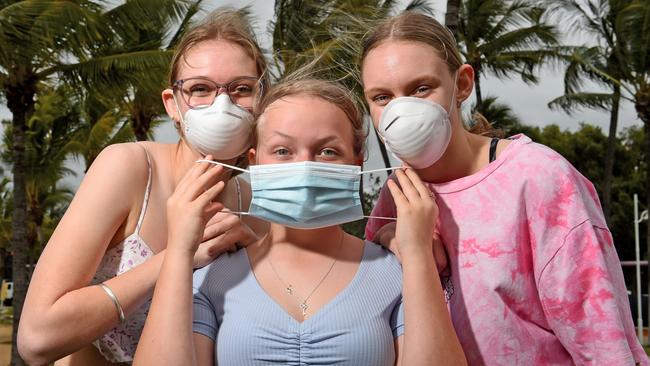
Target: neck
323, 240
459, 160
184, 158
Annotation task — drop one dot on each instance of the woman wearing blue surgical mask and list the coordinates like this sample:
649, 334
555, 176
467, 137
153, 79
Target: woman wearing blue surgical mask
307, 292
90, 292
534, 270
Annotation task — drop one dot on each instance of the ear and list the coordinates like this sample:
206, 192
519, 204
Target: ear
170, 106
465, 82
252, 156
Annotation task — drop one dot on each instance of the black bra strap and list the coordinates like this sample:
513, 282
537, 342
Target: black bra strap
493, 148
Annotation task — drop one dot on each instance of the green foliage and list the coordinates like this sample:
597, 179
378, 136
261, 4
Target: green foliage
505, 38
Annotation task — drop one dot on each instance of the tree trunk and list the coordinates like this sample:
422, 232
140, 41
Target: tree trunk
20, 101
451, 17
609, 157
140, 123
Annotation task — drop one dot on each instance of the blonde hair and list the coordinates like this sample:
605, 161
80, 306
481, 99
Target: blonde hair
222, 24
328, 91
417, 27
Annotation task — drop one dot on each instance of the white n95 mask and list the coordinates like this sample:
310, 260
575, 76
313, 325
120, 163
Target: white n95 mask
222, 129
415, 130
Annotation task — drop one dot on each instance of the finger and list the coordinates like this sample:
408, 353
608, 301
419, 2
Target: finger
396, 193
225, 222
192, 174
210, 195
416, 182
204, 182
407, 187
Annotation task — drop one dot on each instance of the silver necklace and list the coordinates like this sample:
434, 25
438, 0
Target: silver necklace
302, 304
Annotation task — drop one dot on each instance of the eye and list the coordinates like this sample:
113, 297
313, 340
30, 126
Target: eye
329, 152
241, 89
421, 90
281, 151
381, 99
198, 90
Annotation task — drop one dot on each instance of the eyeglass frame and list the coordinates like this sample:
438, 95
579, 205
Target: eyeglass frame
178, 85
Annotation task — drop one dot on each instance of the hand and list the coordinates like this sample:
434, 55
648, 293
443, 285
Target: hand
417, 213
224, 232
191, 205
385, 236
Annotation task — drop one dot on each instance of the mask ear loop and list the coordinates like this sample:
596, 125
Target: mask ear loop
223, 164
225, 210
453, 95
180, 115
374, 171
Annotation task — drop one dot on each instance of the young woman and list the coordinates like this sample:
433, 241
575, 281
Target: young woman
307, 292
535, 274
94, 279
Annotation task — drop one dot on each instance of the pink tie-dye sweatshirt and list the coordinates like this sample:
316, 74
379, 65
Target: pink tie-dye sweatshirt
536, 278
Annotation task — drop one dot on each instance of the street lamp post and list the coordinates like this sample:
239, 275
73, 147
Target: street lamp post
637, 220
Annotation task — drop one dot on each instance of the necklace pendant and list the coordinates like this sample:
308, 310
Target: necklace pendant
304, 307
289, 290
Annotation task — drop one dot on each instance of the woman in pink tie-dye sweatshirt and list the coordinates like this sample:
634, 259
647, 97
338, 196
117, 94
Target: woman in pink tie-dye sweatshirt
535, 278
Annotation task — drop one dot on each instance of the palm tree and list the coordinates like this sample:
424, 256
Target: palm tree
632, 29
505, 38
45, 42
451, 16
596, 18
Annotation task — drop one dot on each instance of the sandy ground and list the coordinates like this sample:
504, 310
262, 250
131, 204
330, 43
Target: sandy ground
5, 344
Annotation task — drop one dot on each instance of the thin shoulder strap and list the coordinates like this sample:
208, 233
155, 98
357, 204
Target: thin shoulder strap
493, 148
239, 202
146, 193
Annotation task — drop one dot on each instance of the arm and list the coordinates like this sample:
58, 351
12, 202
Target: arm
429, 336
583, 294
166, 339
62, 312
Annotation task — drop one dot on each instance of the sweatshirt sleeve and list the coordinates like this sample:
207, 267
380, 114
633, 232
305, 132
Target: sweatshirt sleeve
584, 297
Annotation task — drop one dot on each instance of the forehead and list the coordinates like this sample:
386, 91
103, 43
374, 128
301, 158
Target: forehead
304, 116
218, 60
397, 61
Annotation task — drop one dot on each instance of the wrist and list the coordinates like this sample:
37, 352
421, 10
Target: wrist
418, 258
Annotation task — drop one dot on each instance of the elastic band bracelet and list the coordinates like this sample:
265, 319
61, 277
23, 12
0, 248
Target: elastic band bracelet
111, 294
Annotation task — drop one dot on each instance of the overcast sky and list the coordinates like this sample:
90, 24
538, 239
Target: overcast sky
529, 103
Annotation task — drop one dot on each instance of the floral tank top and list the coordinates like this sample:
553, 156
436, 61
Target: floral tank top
120, 343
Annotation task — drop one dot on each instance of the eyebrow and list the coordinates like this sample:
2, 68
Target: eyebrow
411, 83
231, 79
319, 141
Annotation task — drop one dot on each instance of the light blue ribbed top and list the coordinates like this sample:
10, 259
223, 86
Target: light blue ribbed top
358, 327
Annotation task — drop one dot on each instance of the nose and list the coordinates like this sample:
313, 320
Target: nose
222, 89
304, 156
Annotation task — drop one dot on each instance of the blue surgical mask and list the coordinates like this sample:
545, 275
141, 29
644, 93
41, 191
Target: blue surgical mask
304, 195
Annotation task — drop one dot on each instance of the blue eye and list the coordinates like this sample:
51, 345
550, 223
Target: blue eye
382, 99
328, 152
281, 151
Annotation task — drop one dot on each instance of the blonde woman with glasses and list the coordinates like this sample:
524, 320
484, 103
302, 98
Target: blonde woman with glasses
91, 289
